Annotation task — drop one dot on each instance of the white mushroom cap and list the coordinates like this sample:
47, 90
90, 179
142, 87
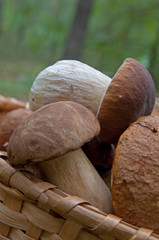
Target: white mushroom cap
69, 80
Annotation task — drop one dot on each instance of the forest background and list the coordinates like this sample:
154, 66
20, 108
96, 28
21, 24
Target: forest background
101, 33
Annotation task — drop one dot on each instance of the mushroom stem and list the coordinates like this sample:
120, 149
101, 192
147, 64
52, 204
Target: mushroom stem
74, 174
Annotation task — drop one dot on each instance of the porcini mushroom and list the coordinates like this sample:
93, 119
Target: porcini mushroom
9, 103
29, 168
52, 136
117, 102
155, 111
135, 189
131, 94
8, 122
69, 80
101, 154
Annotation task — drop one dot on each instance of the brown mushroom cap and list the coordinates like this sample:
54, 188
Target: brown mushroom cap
52, 131
155, 111
130, 95
99, 153
135, 189
8, 122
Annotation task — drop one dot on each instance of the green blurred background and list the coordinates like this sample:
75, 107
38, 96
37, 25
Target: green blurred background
101, 33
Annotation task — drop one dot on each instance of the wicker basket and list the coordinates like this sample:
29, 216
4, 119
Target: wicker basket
33, 209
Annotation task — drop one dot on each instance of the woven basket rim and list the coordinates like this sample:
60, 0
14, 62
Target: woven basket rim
21, 185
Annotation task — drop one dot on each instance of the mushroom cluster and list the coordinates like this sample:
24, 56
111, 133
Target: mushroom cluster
12, 113
94, 137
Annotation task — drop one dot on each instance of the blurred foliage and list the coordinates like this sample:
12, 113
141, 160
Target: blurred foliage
35, 28
35, 32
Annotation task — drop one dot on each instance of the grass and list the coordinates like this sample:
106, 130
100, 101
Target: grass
16, 78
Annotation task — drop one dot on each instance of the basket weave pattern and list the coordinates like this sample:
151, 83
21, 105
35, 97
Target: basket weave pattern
33, 209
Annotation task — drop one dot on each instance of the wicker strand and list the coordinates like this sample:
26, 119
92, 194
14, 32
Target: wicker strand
42, 186
51, 213
34, 231
142, 234
12, 204
17, 234
65, 205
110, 221
3, 238
70, 230
56, 237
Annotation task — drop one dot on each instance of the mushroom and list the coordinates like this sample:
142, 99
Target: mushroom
107, 177
130, 95
99, 153
117, 102
155, 111
135, 182
29, 168
8, 103
52, 137
69, 80
8, 122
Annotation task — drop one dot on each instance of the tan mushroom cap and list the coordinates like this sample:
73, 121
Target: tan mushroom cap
9, 103
135, 189
130, 95
8, 122
52, 131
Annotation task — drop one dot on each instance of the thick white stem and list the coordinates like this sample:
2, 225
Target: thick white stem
74, 174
